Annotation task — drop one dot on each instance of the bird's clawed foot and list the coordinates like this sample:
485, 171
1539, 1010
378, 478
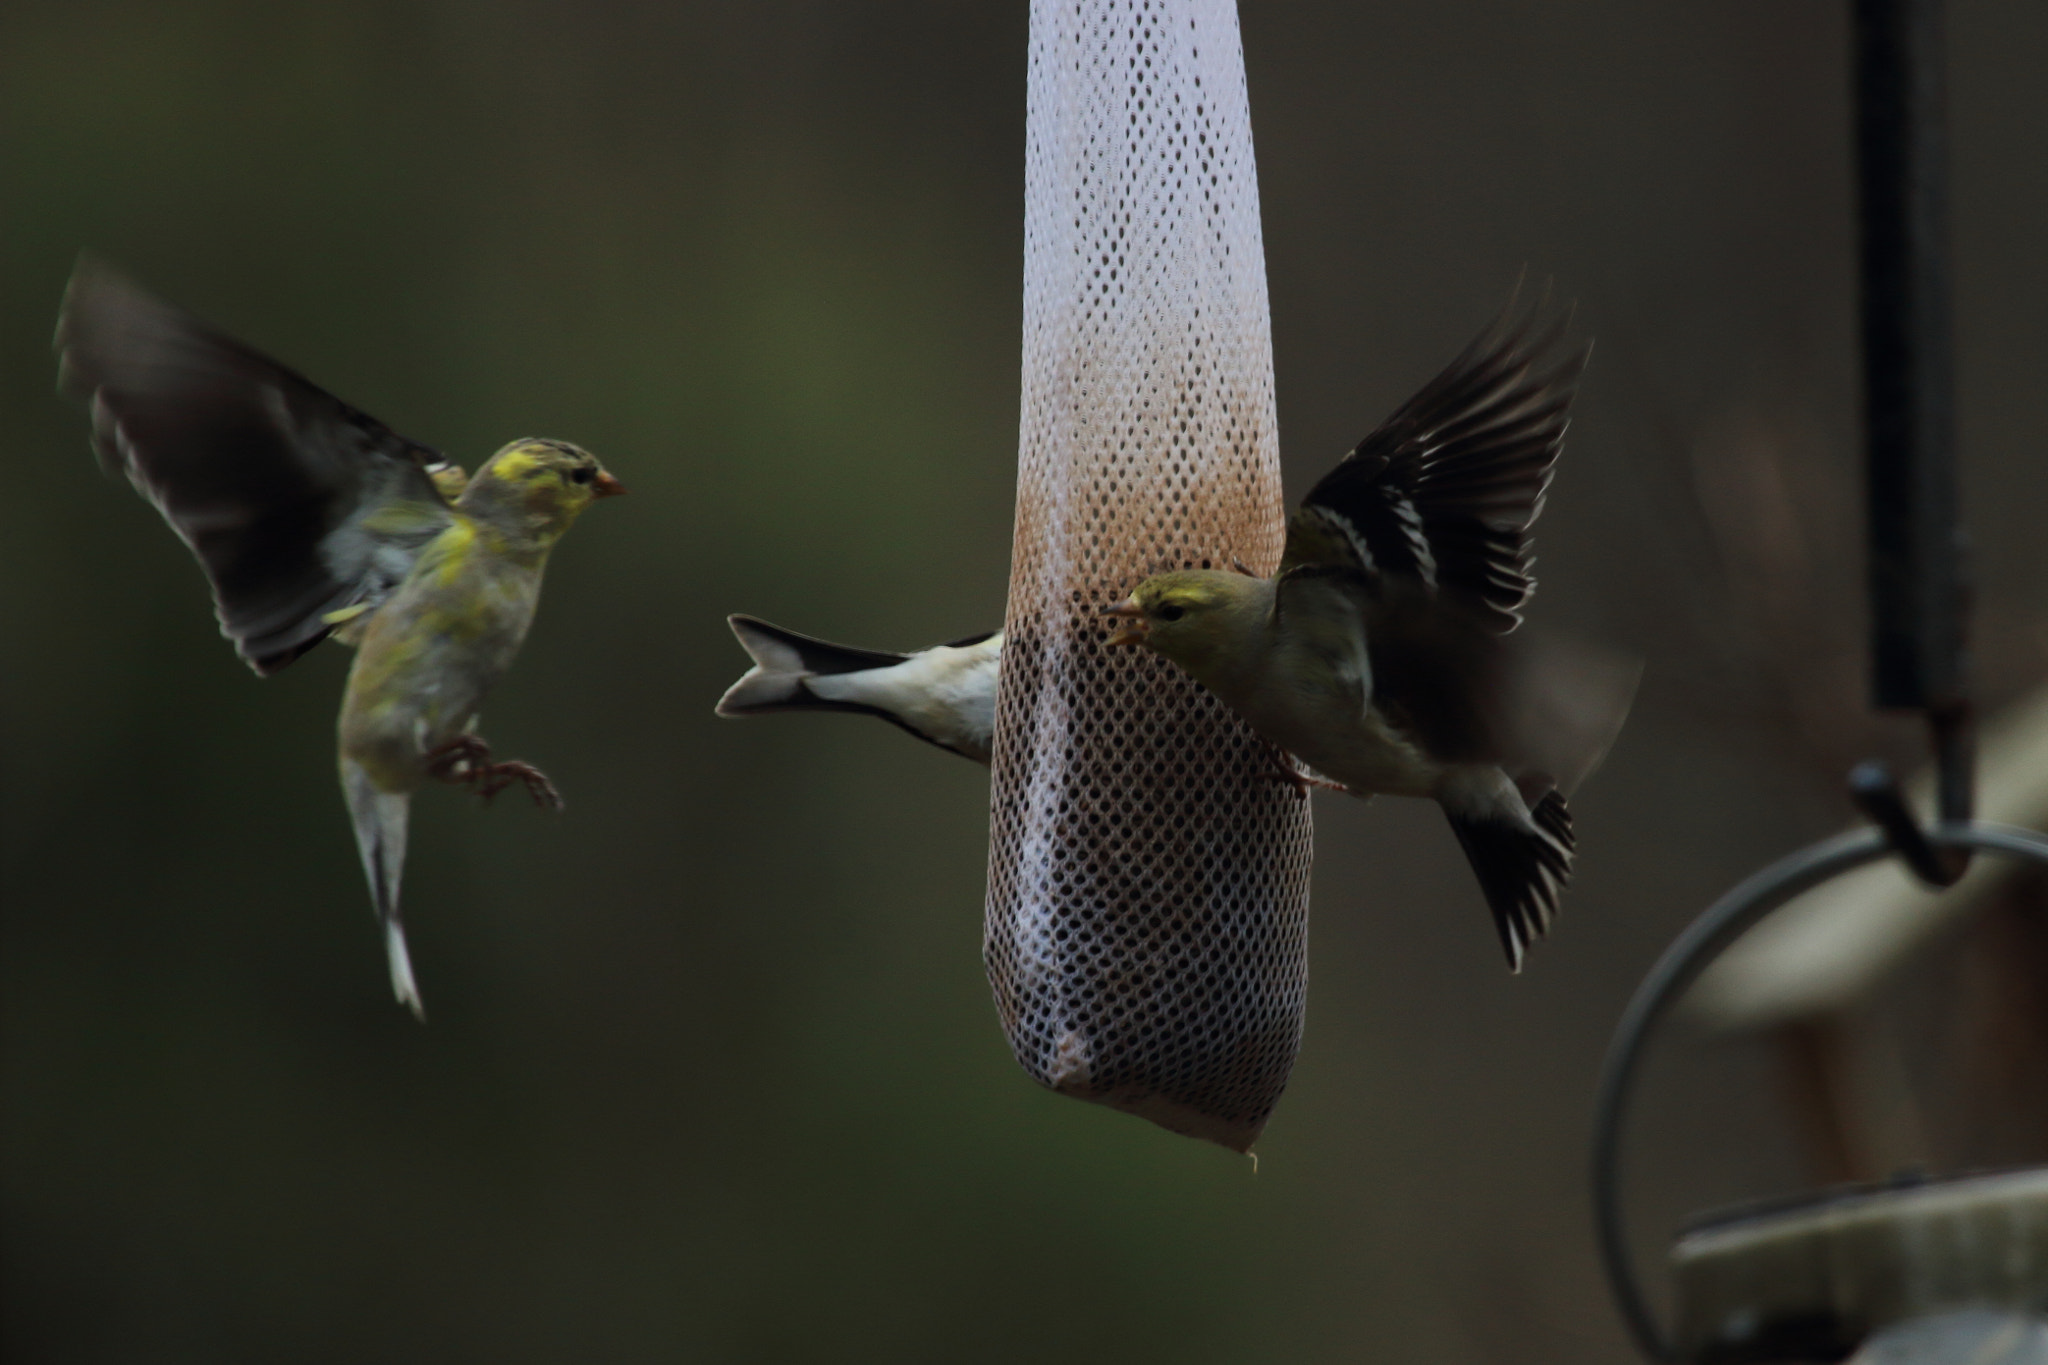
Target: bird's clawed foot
467, 759
499, 776
1286, 768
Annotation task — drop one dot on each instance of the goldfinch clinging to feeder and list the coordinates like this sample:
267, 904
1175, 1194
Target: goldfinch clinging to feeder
312, 519
945, 695
1380, 654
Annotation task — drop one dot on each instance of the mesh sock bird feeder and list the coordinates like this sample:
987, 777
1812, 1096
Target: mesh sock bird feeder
1148, 876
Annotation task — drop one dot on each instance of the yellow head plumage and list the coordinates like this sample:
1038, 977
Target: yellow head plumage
541, 485
1195, 617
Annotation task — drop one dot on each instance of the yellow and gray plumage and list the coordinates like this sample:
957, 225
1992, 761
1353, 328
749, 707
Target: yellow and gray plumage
312, 519
1381, 653
945, 695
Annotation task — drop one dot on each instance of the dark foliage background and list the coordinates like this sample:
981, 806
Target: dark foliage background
712, 1074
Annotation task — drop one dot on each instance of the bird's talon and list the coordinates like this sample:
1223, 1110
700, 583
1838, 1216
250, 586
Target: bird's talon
1285, 770
503, 775
466, 760
538, 787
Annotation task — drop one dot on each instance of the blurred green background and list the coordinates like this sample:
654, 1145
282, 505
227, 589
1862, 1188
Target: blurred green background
712, 1073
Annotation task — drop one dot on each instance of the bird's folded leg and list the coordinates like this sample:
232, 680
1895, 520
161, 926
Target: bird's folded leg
466, 759
461, 759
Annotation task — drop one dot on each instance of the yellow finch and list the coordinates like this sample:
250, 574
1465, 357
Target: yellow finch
311, 519
945, 695
1380, 653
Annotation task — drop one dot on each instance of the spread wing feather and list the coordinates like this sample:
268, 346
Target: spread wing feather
1443, 493
296, 504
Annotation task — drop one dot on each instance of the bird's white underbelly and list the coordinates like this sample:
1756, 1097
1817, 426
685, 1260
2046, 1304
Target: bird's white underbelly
946, 693
1373, 757
1366, 755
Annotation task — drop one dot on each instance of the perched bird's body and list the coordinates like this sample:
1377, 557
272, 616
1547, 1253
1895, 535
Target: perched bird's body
1287, 679
1381, 653
945, 695
312, 519
1289, 674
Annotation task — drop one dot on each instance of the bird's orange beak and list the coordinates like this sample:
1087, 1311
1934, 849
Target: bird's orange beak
1132, 628
605, 486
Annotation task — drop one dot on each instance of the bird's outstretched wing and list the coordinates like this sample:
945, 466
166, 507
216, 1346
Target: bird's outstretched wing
1443, 493
297, 505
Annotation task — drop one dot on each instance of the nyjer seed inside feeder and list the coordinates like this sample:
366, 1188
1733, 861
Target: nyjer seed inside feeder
1148, 879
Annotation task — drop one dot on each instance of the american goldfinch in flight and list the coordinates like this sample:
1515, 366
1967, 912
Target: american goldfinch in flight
945, 695
1381, 655
311, 519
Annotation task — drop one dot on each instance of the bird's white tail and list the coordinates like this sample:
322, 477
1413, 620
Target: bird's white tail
783, 660
380, 821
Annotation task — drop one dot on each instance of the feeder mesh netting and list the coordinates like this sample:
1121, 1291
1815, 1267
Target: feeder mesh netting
1148, 877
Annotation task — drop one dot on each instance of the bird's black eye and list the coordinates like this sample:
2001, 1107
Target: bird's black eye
583, 473
1171, 613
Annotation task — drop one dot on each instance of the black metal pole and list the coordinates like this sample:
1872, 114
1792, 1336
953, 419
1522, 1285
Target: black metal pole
1918, 588
1918, 593
1915, 560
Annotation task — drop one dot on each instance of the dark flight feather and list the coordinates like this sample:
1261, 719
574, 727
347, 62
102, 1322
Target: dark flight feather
1442, 494
296, 504
1522, 872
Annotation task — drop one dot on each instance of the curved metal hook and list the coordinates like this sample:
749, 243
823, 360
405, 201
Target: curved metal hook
1703, 940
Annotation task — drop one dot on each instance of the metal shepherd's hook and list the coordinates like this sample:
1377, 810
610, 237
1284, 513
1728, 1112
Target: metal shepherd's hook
1917, 583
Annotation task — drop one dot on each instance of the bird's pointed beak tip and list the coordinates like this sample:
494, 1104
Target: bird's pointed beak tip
1131, 626
605, 486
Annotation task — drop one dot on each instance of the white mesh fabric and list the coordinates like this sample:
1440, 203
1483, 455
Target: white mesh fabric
1148, 877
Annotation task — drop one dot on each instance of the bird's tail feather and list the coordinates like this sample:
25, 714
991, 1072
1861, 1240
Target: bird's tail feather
1522, 868
402, 984
782, 660
380, 821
